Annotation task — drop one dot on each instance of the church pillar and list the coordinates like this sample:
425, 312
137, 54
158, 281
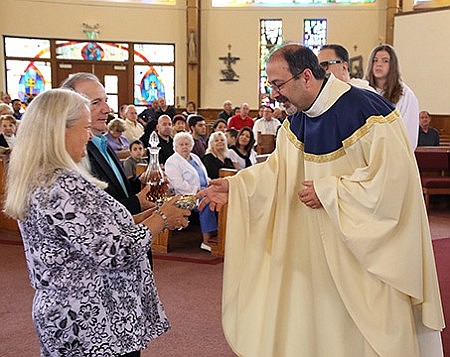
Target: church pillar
193, 50
393, 7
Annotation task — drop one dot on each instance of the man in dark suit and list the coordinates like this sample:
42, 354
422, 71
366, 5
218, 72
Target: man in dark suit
104, 163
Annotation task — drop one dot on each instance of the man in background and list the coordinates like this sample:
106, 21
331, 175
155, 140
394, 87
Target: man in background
227, 111
148, 116
428, 136
241, 120
17, 107
163, 108
164, 130
104, 163
334, 59
197, 127
267, 124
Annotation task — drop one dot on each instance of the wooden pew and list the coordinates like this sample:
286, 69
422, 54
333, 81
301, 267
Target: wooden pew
434, 168
6, 223
444, 139
265, 143
123, 154
218, 250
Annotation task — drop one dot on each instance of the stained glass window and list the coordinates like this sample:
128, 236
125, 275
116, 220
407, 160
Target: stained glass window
151, 82
150, 2
235, 3
154, 73
27, 78
271, 35
314, 33
27, 47
91, 51
155, 53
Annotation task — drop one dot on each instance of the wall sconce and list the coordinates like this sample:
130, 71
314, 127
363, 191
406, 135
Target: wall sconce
91, 32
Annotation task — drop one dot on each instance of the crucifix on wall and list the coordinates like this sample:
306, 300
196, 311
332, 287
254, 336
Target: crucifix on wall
229, 74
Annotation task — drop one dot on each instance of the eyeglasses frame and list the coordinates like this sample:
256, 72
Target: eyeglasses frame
326, 64
278, 87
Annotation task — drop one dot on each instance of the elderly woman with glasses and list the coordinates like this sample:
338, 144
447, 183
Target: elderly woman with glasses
188, 175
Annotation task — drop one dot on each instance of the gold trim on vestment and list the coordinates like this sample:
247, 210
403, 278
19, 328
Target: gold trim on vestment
357, 135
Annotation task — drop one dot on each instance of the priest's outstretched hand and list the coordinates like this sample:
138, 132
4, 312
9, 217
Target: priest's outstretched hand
216, 195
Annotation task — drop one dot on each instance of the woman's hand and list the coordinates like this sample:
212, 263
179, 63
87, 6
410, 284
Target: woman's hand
138, 218
176, 217
168, 216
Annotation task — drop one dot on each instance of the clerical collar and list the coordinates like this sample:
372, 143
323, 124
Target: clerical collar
329, 93
325, 80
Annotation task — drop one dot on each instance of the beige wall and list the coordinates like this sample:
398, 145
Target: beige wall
118, 22
423, 61
362, 26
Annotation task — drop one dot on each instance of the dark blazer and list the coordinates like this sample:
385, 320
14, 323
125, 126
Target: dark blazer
3, 141
101, 169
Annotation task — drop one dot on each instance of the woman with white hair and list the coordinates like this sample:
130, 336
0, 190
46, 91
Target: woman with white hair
95, 293
188, 175
216, 156
5, 109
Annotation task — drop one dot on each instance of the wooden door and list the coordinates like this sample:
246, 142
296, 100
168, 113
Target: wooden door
113, 76
66, 68
115, 79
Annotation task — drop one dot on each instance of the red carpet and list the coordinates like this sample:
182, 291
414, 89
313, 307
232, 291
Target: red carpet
442, 256
190, 292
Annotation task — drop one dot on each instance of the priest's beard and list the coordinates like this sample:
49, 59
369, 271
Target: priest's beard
289, 108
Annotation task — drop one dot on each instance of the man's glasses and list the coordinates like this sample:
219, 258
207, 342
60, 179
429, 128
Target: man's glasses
326, 64
278, 87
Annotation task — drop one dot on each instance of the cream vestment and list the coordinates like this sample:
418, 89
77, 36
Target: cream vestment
344, 280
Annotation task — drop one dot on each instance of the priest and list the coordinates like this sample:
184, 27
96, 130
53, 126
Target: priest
331, 255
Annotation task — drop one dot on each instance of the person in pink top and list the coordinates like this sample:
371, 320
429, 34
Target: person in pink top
242, 119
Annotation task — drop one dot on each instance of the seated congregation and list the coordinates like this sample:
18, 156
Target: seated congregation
195, 144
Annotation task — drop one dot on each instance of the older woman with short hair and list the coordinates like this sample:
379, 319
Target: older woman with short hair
95, 293
133, 129
5, 109
188, 175
116, 140
217, 156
